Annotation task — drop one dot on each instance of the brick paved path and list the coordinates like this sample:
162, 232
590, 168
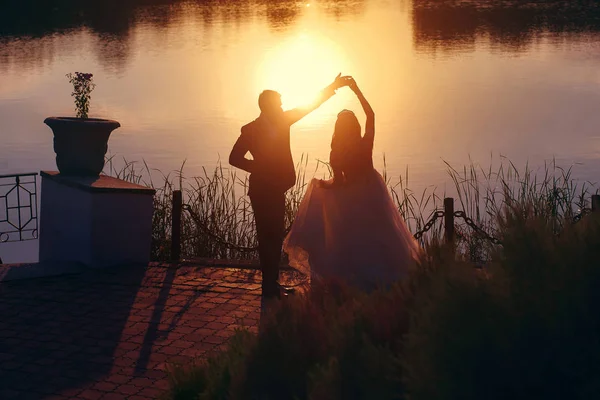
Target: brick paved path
109, 334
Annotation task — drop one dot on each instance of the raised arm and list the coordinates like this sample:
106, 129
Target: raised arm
370, 124
295, 114
237, 157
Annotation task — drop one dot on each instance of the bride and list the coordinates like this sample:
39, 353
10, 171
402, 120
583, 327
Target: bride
348, 228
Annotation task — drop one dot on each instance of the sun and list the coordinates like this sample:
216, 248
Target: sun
299, 67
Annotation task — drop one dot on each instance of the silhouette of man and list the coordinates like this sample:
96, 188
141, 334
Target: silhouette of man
272, 173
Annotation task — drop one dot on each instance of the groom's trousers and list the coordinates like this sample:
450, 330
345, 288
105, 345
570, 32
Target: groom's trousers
269, 211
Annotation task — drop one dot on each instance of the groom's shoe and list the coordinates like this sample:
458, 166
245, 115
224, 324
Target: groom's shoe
271, 291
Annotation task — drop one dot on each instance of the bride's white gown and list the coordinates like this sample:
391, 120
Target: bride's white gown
352, 232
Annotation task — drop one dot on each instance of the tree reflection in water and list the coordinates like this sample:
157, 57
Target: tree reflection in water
511, 26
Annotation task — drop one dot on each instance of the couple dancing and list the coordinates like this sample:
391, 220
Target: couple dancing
346, 228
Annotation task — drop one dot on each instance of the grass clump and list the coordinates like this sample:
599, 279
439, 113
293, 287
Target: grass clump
527, 327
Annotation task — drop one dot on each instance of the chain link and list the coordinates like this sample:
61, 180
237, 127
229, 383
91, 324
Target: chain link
429, 224
471, 223
582, 214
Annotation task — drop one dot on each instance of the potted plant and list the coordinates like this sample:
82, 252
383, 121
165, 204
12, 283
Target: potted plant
80, 143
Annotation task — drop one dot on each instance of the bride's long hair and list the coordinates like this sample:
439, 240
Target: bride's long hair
347, 132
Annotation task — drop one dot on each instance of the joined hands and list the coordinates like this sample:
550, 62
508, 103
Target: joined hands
347, 80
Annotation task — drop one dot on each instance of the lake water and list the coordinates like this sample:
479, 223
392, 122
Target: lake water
458, 81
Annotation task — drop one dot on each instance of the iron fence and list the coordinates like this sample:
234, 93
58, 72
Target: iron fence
18, 208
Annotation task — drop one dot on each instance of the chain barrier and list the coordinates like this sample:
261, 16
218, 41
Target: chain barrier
458, 214
429, 224
471, 223
418, 235
232, 246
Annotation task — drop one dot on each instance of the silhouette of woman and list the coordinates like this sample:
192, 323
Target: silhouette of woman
348, 228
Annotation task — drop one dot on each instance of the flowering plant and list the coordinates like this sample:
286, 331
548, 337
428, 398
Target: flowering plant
82, 89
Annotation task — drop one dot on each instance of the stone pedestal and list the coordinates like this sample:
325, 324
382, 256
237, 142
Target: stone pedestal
97, 221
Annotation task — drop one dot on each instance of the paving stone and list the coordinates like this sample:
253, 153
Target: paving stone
113, 396
216, 325
127, 389
105, 386
141, 382
151, 392
156, 374
91, 394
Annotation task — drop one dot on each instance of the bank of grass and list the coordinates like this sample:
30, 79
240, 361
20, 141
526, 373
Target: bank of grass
525, 327
218, 198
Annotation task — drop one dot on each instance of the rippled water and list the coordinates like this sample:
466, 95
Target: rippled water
449, 80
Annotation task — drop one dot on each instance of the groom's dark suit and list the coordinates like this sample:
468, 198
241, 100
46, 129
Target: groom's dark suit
272, 173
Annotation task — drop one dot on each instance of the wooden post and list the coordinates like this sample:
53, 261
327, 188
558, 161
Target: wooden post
176, 226
449, 219
596, 203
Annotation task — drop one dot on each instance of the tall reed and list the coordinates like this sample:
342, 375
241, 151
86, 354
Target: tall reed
549, 192
222, 226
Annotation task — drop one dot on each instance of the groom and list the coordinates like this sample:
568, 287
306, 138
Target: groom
272, 173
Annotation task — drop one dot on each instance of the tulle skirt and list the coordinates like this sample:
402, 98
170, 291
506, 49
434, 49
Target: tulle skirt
352, 233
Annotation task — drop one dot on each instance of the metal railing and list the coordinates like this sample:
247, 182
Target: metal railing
18, 208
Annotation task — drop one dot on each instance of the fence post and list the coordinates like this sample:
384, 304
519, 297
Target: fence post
596, 203
449, 219
176, 226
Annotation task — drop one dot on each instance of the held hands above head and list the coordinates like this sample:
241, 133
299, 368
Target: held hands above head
347, 80
341, 81
351, 83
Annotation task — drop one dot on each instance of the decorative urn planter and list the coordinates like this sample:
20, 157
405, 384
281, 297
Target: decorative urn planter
80, 144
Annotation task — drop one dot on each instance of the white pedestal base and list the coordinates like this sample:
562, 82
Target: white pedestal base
99, 222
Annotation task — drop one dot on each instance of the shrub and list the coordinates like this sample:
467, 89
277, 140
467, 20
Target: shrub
528, 327
83, 85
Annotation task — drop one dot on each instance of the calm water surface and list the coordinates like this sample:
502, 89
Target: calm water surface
457, 81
